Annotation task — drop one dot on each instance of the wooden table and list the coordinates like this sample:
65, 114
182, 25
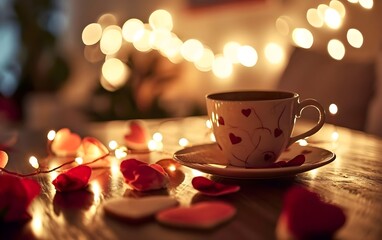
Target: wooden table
353, 181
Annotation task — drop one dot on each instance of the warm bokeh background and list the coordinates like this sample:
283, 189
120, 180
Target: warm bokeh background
51, 77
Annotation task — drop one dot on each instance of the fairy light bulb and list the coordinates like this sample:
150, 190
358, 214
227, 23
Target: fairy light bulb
183, 142
333, 109
79, 160
113, 144
120, 152
51, 135
34, 162
158, 137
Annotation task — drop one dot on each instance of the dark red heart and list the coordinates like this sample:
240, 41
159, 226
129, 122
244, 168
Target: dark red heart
246, 112
221, 120
296, 161
234, 139
212, 188
277, 132
307, 216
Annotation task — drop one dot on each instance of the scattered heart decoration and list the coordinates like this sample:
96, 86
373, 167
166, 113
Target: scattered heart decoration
143, 177
203, 215
65, 143
137, 209
137, 136
16, 194
277, 132
306, 216
212, 188
74, 179
3, 159
91, 149
294, 162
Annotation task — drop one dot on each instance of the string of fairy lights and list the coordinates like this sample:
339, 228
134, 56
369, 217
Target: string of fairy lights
157, 35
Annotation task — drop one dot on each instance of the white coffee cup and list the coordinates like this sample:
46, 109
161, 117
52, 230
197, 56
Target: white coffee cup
252, 128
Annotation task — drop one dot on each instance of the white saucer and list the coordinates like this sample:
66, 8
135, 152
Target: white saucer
206, 157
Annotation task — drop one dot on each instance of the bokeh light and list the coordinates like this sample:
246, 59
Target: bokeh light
91, 34
354, 37
230, 51
115, 72
274, 53
111, 40
302, 37
132, 29
247, 56
222, 67
161, 19
192, 50
336, 49
314, 18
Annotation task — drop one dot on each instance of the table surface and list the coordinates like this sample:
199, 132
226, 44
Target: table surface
353, 181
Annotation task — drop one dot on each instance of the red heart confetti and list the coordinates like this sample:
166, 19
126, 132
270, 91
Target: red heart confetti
137, 210
306, 216
203, 215
142, 176
65, 143
234, 139
74, 179
137, 137
246, 112
16, 194
211, 188
3, 159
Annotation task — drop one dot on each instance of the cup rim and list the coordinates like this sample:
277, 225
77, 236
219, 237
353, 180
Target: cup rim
224, 95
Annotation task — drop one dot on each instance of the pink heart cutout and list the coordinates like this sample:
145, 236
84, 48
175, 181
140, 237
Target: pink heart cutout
137, 209
65, 142
203, 215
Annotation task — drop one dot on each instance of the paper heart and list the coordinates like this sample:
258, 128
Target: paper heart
137, 209
142, 176
137, 136
74, 179
203, 215
3, 159
92, 149
221, 120
234, 139
16, 194
277, 132
211, 188
306, 216
246, 112
65, 142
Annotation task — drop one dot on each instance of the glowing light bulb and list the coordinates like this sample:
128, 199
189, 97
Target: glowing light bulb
336, 49
192, 50
247, 56
34, 162
314, 18
302, 142
367, 4
51, 135
91, 34
332, 18
111, 40
302, 37
115, 72
183, 142
120, 152
172, 168
113, 144
274, 53
230, 51
161, 19
333, 109
335, 136
208, 124
132, 30
354, 37
79, 160
158, 137
204, 64
222, 67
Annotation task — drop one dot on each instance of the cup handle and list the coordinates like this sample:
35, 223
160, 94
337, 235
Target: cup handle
309, 103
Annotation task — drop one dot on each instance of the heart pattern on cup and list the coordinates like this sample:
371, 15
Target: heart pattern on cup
246, 112
221, 120
234, 139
